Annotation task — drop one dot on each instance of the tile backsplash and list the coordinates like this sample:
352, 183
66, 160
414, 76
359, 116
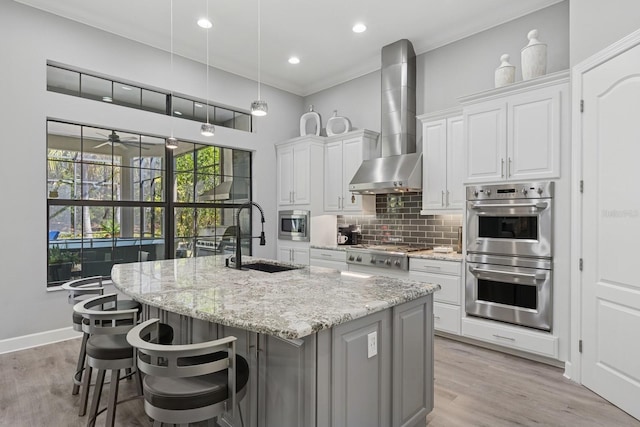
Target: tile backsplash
398, 221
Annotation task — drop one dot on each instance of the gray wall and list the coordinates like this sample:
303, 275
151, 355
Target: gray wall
457, 69
596, 24
28, 38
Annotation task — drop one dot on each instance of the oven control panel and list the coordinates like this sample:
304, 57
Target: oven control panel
529, 190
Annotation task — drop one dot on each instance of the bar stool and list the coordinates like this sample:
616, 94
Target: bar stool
189, 383
107, 349
79, 290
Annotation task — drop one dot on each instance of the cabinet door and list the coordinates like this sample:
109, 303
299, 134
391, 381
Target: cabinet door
533, 150
284, 160
333, 176
285, 254
485, 141
361, 385
455, 196
300, 256
351, 160
301, 173
434, 172
412, 368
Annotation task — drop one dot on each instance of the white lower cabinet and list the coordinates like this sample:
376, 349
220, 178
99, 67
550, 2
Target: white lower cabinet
446, 307
446, 318
516, 337
328, 258
293, 252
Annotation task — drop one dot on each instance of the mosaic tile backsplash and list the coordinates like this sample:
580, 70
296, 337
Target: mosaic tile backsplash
398, 221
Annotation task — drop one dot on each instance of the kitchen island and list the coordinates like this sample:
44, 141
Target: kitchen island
324, 348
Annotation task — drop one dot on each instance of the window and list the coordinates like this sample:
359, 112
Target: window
108, 199
76, 83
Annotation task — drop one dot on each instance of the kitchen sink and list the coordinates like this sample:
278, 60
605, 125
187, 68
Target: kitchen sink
268, 267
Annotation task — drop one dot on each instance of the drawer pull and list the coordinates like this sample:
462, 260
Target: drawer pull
504, 338
327, 255
436, 317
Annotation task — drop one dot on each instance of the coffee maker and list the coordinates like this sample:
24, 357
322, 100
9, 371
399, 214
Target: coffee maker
348, 231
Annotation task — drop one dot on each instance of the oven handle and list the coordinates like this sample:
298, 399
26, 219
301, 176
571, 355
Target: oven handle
489, 274
537, 205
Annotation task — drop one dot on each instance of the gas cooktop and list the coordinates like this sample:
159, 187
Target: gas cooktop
381, 256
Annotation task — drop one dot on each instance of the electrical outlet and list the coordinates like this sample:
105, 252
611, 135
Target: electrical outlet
372, 344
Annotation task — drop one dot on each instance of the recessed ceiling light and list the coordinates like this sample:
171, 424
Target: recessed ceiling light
177, 113
359, 28
205, 23
294, 60
107, 99
126, 88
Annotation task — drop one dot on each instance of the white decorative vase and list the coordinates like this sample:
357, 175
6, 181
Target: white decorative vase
337, 125
505, 73
310, 118
534, 57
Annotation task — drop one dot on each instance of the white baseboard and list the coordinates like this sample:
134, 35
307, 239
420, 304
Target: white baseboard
35, 340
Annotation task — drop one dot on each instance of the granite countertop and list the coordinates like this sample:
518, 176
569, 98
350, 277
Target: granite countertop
425, 254
429, 254
290, 304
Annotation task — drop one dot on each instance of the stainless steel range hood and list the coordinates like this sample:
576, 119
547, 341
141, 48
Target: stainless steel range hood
400, 167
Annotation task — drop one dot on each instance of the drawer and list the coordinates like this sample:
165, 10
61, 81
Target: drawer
328, 254
446, 318
435, 266
449, 286
515, 337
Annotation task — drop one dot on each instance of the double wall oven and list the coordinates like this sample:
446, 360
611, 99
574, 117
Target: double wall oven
509, 253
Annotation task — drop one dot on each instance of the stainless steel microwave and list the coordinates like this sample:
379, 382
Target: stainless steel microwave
294, 225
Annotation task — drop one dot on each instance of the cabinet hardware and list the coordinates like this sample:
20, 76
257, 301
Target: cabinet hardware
327, 255
501, 168
442, 199
580, 346
436, 317
338, 202
509, 168
353, 198
503, 337
447, 198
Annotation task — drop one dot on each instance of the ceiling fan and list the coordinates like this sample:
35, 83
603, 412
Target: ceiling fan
114, 140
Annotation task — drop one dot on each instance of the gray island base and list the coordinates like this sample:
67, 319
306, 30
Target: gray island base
325, 349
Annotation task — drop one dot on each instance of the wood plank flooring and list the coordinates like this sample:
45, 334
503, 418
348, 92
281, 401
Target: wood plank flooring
473, 387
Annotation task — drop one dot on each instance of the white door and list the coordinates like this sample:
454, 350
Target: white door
611, 230
351, 160
485, 127
455, 163
301, 173
285, 175
333, 176
434, 151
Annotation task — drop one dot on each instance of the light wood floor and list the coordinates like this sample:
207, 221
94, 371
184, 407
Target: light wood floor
473, 387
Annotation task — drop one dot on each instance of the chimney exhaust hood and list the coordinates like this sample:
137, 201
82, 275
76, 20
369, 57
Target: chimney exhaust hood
400, 167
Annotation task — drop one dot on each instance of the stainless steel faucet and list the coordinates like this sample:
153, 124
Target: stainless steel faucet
238, 260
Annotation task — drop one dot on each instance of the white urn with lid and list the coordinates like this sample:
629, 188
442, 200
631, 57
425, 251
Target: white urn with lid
506, 73
534, 57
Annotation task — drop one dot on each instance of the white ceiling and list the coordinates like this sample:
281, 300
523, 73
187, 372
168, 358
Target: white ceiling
317, 31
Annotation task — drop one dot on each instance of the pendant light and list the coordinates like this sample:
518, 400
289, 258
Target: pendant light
259, 107
207, 129
171, 142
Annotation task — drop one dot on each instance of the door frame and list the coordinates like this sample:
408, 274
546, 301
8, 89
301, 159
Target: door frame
573, 367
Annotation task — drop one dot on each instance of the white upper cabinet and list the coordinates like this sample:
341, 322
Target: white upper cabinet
443, 170
515, 132
299, 169
343, 155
